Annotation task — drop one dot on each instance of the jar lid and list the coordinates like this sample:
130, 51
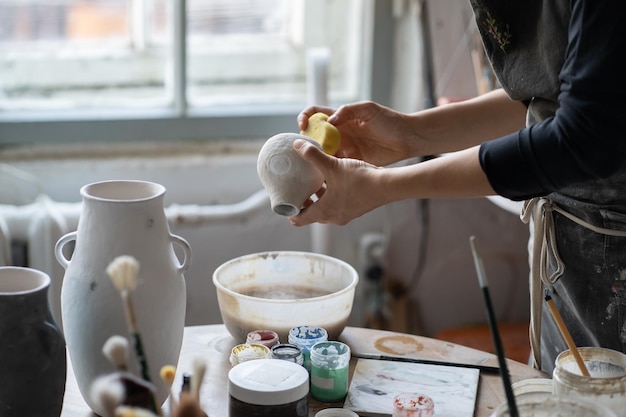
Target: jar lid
336, 412
307, 336
268, 382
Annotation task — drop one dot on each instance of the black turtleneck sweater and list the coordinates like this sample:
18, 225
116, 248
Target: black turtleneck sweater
565, 59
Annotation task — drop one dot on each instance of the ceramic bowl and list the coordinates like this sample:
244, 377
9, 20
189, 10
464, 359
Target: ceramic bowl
281, 290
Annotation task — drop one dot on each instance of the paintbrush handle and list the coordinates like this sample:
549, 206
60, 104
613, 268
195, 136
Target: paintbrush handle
483, 368
136, 336
504, 371
566, 335
493, 325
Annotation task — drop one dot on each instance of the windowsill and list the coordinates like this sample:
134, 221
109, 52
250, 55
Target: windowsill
135, 125
138, 150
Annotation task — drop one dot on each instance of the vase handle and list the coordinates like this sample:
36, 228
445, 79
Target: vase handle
58, 249
186, 249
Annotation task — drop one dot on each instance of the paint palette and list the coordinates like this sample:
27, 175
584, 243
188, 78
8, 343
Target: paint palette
375, 383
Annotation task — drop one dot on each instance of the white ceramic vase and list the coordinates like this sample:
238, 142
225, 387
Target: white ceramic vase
122, 218
288, 179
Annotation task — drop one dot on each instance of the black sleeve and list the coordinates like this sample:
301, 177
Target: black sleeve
586, 138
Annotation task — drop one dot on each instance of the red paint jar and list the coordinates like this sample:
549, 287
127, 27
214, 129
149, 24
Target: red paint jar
268, 338
412, 404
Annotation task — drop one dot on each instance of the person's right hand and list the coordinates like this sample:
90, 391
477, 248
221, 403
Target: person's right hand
369, 132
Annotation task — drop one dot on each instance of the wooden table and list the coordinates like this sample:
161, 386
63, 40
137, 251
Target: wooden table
214, 343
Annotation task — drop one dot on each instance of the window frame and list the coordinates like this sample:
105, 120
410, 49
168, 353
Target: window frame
181, 122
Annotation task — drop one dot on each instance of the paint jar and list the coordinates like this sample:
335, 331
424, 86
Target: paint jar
532, 385
605, 385
336, 412
247, 352
268, 338
413, 404
268, 387
287, 352
330, 362
543, 404
305, 337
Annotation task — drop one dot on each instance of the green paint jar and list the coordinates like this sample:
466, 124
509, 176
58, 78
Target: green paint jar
330, 363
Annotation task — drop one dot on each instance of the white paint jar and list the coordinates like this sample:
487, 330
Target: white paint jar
605, 385
268, 387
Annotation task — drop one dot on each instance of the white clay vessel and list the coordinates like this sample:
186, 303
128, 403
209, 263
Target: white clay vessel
288, 179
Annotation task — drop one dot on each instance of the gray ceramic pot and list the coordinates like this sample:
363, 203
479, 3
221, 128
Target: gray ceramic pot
32, 350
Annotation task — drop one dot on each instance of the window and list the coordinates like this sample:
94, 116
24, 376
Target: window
69, 60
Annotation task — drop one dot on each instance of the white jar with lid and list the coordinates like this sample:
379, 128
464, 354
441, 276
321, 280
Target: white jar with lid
605, 385
268, 387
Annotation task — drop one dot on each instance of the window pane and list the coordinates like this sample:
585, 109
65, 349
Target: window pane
254, 51
78, 53
82, 54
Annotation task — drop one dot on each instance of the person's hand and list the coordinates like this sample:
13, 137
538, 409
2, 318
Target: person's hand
350, 188
369, 132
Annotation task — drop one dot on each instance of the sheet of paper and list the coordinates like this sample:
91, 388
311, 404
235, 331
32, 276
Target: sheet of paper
375, 383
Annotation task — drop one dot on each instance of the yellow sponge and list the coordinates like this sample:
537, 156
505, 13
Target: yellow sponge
323, 133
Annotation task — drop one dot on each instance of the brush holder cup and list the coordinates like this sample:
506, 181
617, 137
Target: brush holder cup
122, 218
606, 384
288, 179
32, 350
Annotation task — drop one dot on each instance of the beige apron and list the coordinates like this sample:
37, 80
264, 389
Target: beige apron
546, 264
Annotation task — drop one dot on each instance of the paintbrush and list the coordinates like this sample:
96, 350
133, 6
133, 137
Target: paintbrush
566, 335
484, 368
199, 369
116, 351
493, 324
167, 374
107, 394
123, 271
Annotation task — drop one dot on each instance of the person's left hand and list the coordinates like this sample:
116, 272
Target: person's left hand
351, 189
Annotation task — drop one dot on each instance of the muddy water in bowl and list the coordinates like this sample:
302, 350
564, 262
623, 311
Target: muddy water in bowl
606, 384
281, 290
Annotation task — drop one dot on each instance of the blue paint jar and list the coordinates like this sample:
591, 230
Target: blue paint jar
305, 337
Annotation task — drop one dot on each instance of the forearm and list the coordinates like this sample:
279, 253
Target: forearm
461, 125
455, 175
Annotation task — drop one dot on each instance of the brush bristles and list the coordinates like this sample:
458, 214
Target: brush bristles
199, 368
123, 272
168, 372
116, 351
108, 393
